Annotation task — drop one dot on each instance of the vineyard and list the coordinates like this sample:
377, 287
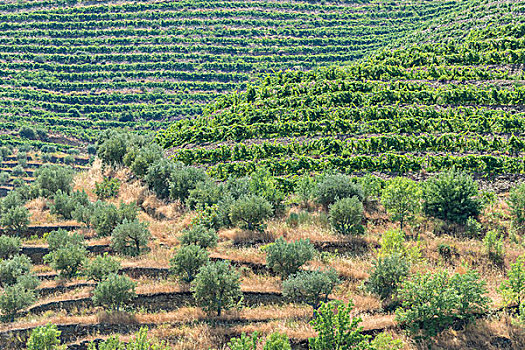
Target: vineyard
75, 68
419, 108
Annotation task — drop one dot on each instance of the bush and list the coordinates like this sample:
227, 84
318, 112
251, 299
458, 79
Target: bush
28, 133
68, 159
384, 341
513, 289
516, 201
217, 286
144, 158
14, 299
61, 238
310, 287
199, 235
12, 200
158, 177
15, 220
334, 187
114, 292
101, 267
386, 275
140, 341
451, 196
393, 242
431, 302
130, 238
401, 199
473, 228
277, 341
244, 342
183, 179
112, 150
65, 203
108, 188
67, 260
106, 217
493, 243
346, 216
51, 178
45, 338
9, 247
188, 261
11, 270
250, 212
336, 328
286, 258
4, 178
205, 194
18, 171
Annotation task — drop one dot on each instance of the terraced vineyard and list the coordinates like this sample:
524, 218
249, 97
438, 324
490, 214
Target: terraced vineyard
420, 108
78, 67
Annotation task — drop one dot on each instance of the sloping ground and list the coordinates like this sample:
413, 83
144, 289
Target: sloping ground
78, 67
424, 107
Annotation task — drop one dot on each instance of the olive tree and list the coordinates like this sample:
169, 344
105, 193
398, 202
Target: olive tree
250, 212
67, 260
334, 187
50, 178
16, 220
45, 338
346, 216
101, 267
130, 238
114, 292
199, 235
310, 287
9, 246
187, 262
286, 258
401, 199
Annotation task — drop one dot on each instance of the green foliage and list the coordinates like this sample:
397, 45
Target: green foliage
101, 267
199, 235
130, 238
431, 302
106, 217
250, 212
108, 188
346, 216
64, 204
336, 328
158, 177
14, 299
244, 342
393, 242
494, 247
187, 262
384, 341
67, 260
18, 171
335, 187
114, 292
50, 178
45, 338
205, 194
451, 196
516, 201
9, 246
139, 342
473, 228
4, 177
401, 199
27, 132
144, 158
62, 238
513, 288
183, 179
217, 287
310, 287
286, 258
15, 220
386, 275
113, 149
13, 269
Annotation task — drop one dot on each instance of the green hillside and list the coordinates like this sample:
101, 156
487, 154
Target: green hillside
423, 107
74, 67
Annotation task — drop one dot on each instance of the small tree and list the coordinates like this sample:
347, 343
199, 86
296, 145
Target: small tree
386, 275
286, 258
217, 287
28, 132
144, 158
346, 216
205, 194
67, 260
310, 287
45, 338
333, 187
101, 267
114, 292
16, 220
199, 235
108, 188
13, 269
188, 261
244, 342
432, 301
513, 289
140, 341
50, 178
130, 238
14, 299
158, 177
494, 247
113, 149
336, 328
250, 212
184, 179
451, 196
9, 246
401, 199
62, 238
277, 341
516, 203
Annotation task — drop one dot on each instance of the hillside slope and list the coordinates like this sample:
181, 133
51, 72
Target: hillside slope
427, 107
77, 67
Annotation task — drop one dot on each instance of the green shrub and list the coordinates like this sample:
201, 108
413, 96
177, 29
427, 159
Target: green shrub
393, 242
199, 235
14, 299
67, 260
4, 178
494, 247
101, 267
45, 338
9, 246
91, 149
277, 341
158, 177
51, 178
250, 212
401, 199
183, 179
264, 185
205, 194
473, 228
114, 292
346, 216
12, 269
387, 274
310, 287
187, 262
451, 196
305, 189
384, 341
64, 204
334, 187
113, 149
15, 220
144, 158
516, 202
139, 342
12, 200
62, 238
217, 287
336, 328
27, 132
106, 217
244, 342
431, 302
130, 238
513, 289
108, 188
18, 171
286, 258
